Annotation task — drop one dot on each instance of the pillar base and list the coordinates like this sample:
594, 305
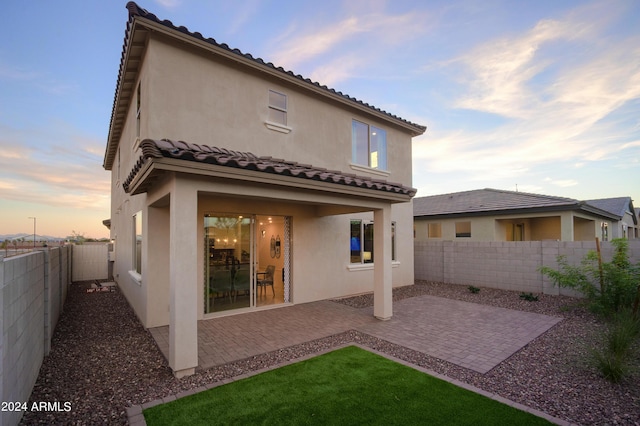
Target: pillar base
184, 373
382, 318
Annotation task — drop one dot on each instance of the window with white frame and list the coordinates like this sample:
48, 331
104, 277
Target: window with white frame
277, 108
361, 243
137, 243
138, 108
368, 145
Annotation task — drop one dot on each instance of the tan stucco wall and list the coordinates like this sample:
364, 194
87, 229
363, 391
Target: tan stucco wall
230, 107
563, 226
123, 207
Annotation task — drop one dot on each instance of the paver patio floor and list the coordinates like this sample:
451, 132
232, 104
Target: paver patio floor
470, 335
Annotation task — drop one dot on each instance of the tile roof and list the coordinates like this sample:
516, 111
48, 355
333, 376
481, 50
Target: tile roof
618, 206
486, 201
158, 149
137, 11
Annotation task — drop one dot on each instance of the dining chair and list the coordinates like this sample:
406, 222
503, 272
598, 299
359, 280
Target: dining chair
265, 278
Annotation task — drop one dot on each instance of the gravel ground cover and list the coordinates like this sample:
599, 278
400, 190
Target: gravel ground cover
103, 361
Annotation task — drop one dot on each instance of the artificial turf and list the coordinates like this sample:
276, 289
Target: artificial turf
348, 386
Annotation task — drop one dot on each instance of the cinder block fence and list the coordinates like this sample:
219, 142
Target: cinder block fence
503, 265
33, 289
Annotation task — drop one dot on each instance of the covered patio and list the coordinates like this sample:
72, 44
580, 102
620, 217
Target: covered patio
190, 188
474, 336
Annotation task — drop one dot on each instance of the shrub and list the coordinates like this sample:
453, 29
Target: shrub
612, 367
623, 330
474, 290
530, 297
613, 362
609, 288
612, 289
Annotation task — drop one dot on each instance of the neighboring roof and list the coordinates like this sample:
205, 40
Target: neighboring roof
139, 179
133, 48
619, 206
484, 202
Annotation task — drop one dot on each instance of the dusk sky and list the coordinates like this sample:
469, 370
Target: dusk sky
540, 94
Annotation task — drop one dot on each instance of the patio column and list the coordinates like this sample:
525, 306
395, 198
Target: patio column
566, 227
183, 280
382, 279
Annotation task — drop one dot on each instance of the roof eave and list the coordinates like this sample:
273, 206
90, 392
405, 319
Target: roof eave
154, 167
504, 212
598, 212
124, 89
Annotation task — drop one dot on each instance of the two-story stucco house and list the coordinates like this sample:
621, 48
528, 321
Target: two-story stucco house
238, 186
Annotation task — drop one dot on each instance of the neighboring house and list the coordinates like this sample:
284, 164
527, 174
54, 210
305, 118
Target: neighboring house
239, 186
621, 207
497, 215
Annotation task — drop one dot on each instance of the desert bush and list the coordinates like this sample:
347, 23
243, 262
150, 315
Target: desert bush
609, 289
613, 359
612, 290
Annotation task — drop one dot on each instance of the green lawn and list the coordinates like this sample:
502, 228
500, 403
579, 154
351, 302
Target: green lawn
345, 387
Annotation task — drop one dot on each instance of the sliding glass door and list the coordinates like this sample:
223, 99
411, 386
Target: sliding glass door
228, 263
247, 261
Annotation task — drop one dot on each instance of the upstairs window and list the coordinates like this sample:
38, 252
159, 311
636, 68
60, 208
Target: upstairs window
138, 111
277, 108
368, 145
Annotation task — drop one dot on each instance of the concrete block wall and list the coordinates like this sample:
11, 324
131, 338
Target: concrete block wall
33, 288
2, 350
504, 264
22, 328
56, 286
90, 262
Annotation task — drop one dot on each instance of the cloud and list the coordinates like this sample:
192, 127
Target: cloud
337, 70
343, 47
67, 174
562, 182
243, 13
36, 79
554, 106
19, 74
169, 4
305, 47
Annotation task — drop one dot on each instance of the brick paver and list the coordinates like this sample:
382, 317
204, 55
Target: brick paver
235, 337
474, 336
470, 335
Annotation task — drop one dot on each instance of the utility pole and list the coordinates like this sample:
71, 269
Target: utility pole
34, 231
